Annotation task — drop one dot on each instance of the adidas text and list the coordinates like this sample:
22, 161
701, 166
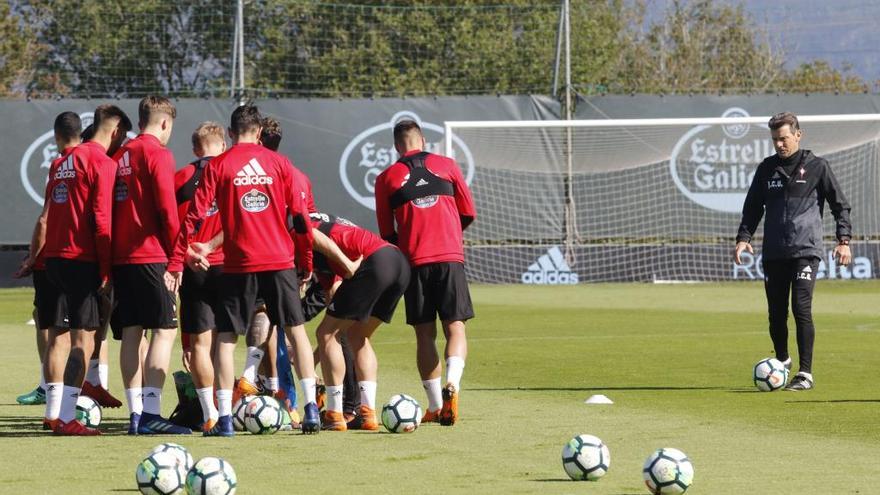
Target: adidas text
550, 269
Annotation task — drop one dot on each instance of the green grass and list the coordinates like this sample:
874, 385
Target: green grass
675, 359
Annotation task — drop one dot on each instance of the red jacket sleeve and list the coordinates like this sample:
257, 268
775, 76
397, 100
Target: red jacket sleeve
310, 198
201, 202
165, 199
463, 199
302, 230
384, 214
103, 178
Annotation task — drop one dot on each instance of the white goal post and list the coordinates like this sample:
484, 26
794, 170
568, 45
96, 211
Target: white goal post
644, 199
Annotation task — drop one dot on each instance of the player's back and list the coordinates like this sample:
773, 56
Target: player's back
427, 207
252, 184
353, 241
142, 198
71, 218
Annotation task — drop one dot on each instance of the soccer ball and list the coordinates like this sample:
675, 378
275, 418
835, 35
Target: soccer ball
402, 414
585, 457
770, 374
161, 474
668, 471
211, 476
178, 451
262, 415
238, 412
88, 412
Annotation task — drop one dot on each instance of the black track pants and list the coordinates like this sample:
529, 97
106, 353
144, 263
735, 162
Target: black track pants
796, 277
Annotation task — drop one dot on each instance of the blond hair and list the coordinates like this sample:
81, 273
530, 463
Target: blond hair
205, 133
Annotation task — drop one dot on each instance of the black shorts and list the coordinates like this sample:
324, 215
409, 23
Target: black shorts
375, 288
239, 293
78, 303
314, 301
438, 289
141, 298
199, 299
46, 299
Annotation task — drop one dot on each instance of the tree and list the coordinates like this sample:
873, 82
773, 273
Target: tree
18, 51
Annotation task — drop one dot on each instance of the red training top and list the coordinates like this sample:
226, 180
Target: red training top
255, 190
145, 219
40, 260
303, 180
352, 240
429, 230
80, 195
210, 226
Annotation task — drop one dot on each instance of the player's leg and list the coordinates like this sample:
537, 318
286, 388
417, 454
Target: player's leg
57, 351
455, 307
804, 281
38, 395
256, 338
45, 301
367, 369
333, 369
422, 316
97, 383
236, 304
131, 356
350, 393
304, 366
198, 327
777, 284
269, 366
78, 284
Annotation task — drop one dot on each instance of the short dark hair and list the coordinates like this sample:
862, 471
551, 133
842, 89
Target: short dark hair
67, 126
403, 129
784, 118
107, 112
151, 105
244, 119
88, 133
270, 137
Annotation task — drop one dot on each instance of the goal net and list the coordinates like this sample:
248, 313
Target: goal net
562, 202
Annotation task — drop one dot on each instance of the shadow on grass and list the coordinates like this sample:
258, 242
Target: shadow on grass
835, 401
594, 389
125, 490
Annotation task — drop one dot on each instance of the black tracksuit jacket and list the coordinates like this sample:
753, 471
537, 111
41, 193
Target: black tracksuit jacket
793, 206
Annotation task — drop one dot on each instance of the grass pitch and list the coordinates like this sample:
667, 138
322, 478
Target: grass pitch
676, 360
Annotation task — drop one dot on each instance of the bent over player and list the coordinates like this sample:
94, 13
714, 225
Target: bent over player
427, 198
790, 190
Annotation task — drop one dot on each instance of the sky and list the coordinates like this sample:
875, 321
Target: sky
839, 31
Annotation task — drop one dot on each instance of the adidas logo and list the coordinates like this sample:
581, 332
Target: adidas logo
251, 174
66, 170
421, 182
807, 269
550, 269
124, 165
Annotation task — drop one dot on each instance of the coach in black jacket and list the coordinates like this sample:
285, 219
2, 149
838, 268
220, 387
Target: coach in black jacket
792, 187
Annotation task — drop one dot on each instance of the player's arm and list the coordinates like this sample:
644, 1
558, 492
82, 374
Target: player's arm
384, 214
38, 240
301, 233
830, 189
165, 199
201, 202
753, 210
464, 201
330, 249
103, 179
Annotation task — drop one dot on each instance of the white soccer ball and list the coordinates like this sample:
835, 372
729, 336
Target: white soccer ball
161, 474
770, 374
178, 451
211, 476
238, 412
88, 412
402, 414
586, 458
668, 472
263, 416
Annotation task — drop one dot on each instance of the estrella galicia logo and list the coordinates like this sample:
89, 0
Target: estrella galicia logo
60, 193
372, 151
254, 201
713, 165
37, 158
212, 210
